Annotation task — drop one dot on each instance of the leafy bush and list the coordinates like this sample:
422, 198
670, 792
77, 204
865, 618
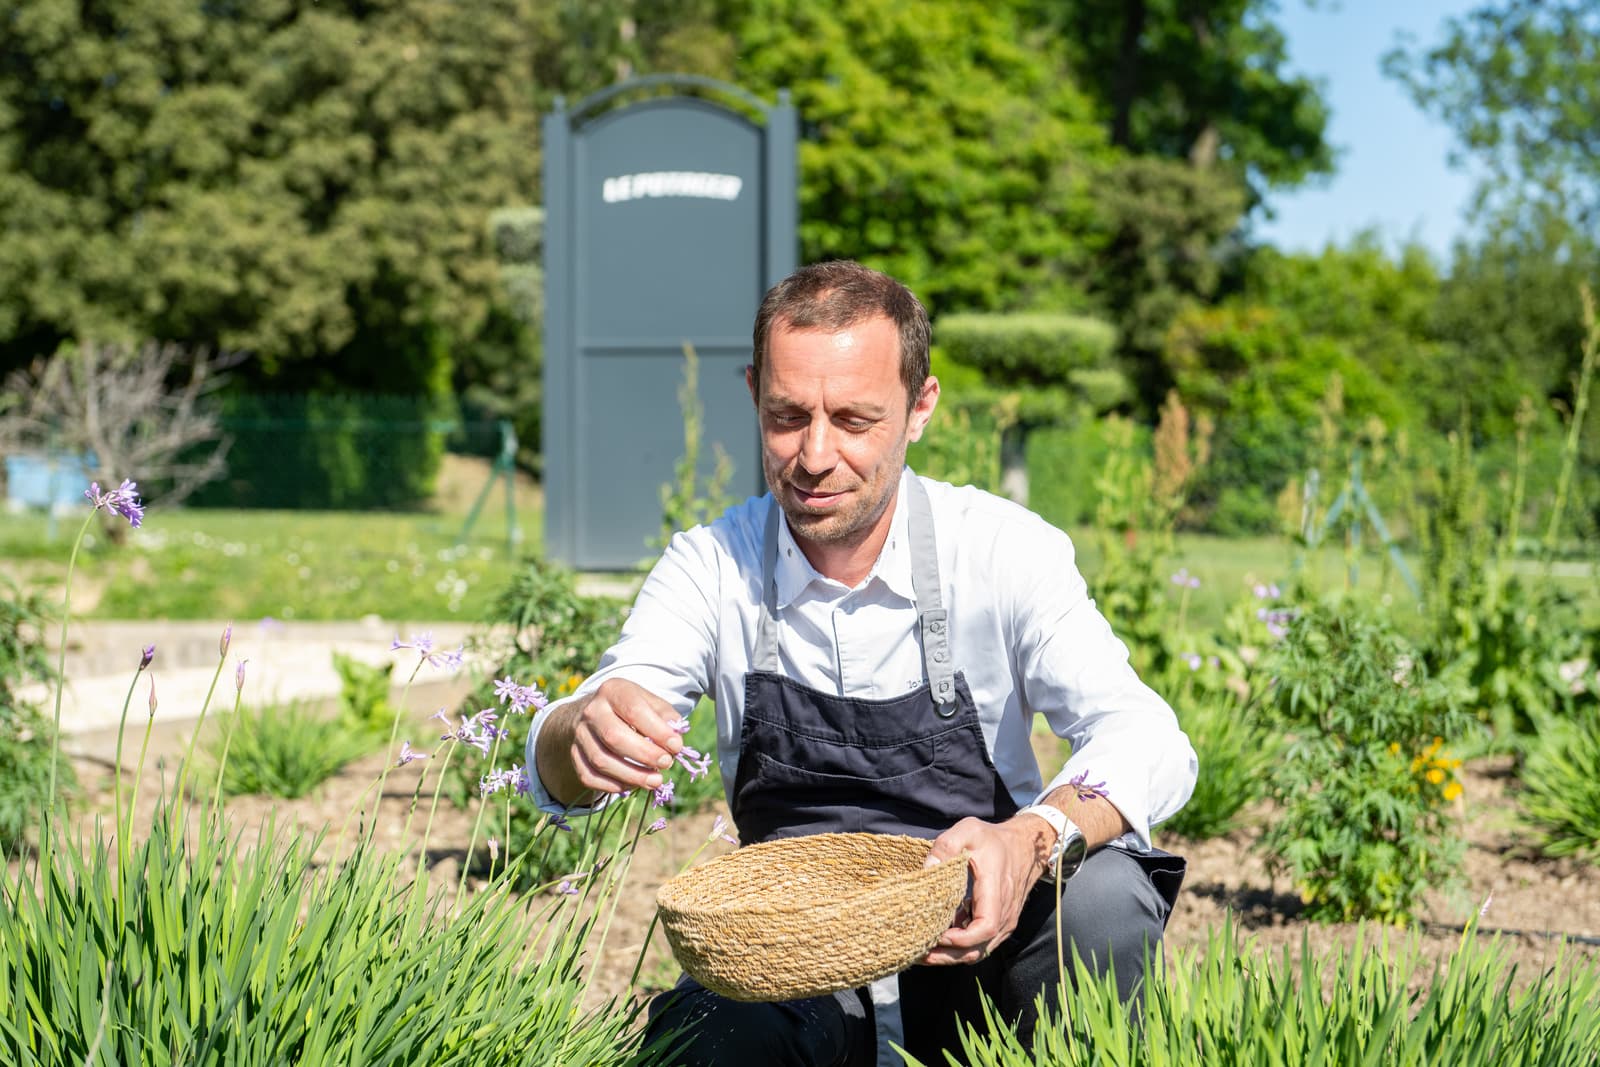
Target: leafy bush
1064, 462
1228, 1005
364, 695
26, 734
282, 750
1364, 827
1028, 349
1235, 751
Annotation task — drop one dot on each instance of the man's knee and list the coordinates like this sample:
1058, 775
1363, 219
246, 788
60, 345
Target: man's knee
690, 1026
1112, 916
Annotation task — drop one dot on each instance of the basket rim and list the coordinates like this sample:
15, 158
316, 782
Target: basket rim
889, 884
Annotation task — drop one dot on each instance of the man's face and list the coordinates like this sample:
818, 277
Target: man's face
834, 427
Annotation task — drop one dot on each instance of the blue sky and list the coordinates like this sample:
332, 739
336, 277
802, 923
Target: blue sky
1393, 172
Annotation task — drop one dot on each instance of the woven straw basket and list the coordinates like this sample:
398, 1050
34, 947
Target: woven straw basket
810, 915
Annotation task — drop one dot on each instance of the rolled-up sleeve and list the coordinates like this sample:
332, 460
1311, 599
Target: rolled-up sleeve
1075, 671
667, 644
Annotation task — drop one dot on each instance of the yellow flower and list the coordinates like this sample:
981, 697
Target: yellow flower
1452, 790
1435, 776
1394, 748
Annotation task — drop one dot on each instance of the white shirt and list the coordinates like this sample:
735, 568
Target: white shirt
1022, 630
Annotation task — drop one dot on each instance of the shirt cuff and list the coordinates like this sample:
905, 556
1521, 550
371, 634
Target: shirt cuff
1123, 789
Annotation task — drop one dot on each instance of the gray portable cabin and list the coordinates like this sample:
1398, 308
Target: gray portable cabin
667, 218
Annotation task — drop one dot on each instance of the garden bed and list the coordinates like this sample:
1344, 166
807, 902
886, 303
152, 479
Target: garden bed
1535, 900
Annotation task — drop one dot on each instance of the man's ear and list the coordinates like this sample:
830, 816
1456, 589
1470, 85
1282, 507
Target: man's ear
750, 380
922, 410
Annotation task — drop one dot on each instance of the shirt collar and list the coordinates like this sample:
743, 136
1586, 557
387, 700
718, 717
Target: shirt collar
893, 567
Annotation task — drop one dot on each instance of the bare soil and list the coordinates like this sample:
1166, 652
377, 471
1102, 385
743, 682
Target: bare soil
1535, 902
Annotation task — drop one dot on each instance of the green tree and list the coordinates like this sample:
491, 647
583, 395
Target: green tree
1199, 80
306, 182
945, 143
1519, 83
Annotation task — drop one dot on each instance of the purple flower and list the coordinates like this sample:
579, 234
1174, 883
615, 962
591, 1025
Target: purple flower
1192, 659
1086, 789
516, 779
238, 676
477, 730
224, 641
718, 826
567, 888
1186, 580
560, 823
681, 726
693, 762
520, 697
656, 827
423, 644
146, 656
409, 754
124, 500
661, 795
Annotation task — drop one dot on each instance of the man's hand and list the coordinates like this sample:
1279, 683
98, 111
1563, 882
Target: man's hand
1007, 859
616, 739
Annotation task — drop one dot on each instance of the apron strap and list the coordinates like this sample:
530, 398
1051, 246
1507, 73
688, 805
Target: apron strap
930, 604
932, 621
766, 657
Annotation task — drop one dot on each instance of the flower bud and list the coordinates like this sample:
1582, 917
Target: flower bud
152, 695
146, 656
238, 676
225, 641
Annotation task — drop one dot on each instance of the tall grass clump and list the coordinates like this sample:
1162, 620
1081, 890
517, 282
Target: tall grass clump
1372, 1004
282, 749
202, 944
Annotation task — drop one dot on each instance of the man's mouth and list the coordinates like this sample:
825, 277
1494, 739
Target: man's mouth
815, 498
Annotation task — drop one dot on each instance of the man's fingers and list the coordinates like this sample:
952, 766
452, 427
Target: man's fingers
620, 741
646, 714
599, 770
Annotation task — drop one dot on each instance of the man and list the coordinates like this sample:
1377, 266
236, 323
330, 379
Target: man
877, 646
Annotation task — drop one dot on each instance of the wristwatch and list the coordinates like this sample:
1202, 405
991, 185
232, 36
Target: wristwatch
1067, 854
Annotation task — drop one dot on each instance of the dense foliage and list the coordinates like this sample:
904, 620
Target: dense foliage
26, 734
1378, 1002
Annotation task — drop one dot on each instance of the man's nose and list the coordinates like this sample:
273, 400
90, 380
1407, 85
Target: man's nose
818, 452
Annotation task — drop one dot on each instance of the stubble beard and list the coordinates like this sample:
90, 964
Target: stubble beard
839, 526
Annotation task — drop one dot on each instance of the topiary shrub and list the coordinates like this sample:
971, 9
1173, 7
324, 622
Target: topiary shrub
1038, 348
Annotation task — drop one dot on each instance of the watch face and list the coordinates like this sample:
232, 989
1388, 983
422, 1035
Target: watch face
1072, 854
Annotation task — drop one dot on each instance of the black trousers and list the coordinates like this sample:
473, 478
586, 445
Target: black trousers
1113, 910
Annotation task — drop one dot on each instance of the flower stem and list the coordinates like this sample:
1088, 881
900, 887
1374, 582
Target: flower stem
477, 824
227, 743
138, 774
388, 751
188, 752
124, 825
61, 666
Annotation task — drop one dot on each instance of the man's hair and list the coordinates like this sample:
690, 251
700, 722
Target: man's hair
841, 293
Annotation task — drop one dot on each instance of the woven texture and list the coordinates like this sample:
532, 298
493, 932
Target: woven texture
810, 915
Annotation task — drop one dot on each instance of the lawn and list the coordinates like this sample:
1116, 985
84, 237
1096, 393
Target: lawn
414, 566
308, 565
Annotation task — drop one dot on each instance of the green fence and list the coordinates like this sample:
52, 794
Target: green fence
342, 452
